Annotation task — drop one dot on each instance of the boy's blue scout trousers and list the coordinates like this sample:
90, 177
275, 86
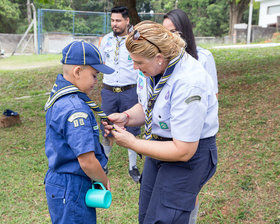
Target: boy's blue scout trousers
66, 198
169, 189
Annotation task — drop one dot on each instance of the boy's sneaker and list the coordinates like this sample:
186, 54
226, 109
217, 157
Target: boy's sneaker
134, 173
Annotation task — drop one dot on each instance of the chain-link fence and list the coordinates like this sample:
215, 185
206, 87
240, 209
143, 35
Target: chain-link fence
78, 23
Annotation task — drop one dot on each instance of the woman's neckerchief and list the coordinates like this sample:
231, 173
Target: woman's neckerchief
63, 87
154, 91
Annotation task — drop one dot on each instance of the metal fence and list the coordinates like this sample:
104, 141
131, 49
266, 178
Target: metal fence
78, 23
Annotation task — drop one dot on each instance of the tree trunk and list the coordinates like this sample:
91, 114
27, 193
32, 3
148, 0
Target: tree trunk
236, 13
131, 5
28, 11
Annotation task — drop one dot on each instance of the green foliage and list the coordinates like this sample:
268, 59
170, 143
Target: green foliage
143, 6
96, 6
9, 10
217, 23
255, 15
13, 15
9, 13
162, 5
207, 19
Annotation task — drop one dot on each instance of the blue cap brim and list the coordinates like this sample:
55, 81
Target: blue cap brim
103, 68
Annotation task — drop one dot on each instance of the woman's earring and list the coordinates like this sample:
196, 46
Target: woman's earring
159, 63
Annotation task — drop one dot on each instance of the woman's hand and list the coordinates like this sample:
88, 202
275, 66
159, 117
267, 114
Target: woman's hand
123, 137
116, 118
119, 119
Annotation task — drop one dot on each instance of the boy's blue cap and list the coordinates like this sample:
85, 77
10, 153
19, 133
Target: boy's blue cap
84, 53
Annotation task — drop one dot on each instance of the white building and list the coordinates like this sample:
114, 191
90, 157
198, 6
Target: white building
269, 10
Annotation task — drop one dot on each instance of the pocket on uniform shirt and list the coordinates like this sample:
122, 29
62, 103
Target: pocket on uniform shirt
108, 51
162, 115
177, 199
162, 118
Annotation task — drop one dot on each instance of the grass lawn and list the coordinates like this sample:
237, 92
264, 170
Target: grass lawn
29, 61
245, 189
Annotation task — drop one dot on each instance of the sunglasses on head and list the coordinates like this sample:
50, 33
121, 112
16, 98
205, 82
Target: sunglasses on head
176, 32
136, 36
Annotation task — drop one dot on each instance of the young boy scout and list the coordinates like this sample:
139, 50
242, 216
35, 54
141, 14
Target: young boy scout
75, 155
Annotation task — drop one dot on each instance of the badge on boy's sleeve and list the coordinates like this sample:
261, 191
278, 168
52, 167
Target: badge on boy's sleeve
78, 118
192, 98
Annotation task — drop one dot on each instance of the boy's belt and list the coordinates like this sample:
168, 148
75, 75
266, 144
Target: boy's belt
118, 89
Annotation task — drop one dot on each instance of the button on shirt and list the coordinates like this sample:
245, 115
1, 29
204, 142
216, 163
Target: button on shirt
124, 73
206, 58
187, 107
71, 130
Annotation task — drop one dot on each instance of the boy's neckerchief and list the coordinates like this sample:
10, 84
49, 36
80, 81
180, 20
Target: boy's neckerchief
63, 87
155, 91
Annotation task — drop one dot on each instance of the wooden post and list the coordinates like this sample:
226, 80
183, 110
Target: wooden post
22, 38
278, 24
35, 29
28, 11
33, 22
249, 22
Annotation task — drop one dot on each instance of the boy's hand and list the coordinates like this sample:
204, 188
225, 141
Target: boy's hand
108, 126
107, 121
108, 185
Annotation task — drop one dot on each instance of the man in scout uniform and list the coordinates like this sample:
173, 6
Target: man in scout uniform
119, 89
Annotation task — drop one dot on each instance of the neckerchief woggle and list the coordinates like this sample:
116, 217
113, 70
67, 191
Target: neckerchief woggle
154, 93
63, 87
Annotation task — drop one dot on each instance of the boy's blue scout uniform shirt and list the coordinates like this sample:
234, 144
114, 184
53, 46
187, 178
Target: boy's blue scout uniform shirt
71, 130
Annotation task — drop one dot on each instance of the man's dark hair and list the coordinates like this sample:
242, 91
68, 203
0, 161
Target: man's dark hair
182, 24
120, 9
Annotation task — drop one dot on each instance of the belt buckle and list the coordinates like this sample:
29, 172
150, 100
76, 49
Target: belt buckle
155, 136
117, 89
